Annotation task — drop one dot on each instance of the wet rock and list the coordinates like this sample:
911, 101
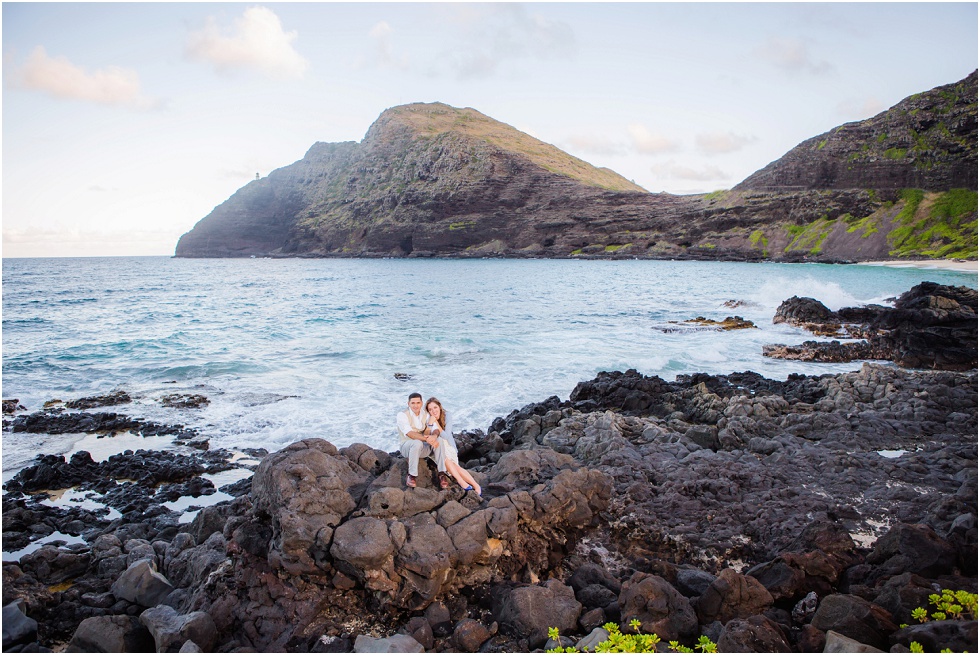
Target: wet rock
811, 640
170, 630
728, 323
11, 405
592, 619
392, 644
184, 401
755, 634
912, 549
732, 596
595, 596
469, 635
531, 610
439, 617
804, 610
902, 594
693, 582
590, 642
958, 636
592, 574
931, 326
659, 607
111, 634
51, 565
856, 618
304, 489
142, 584
114, 398
838, 643
18, 628
419, 630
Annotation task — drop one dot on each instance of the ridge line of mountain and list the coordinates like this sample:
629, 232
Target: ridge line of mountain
433, 180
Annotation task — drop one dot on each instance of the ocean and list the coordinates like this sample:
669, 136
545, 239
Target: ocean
286, 349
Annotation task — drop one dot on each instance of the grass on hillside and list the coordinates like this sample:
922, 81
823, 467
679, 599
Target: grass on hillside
936, 225
430, 120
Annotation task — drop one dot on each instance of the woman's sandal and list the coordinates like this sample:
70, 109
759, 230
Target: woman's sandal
469, 487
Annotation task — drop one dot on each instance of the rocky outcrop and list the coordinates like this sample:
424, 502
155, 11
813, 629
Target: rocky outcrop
765, 514
433, 180
931, 326
927, 141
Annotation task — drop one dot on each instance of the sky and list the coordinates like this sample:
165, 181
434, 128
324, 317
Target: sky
124, 124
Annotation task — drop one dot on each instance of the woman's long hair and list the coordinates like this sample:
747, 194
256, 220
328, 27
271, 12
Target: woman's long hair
442, 411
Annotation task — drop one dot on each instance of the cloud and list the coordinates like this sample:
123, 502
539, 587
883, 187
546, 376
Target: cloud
793, 56
495, 33
722, 143
594, 144
677, 171
59, 77
383, 51
255, 42
860, 108
649, 143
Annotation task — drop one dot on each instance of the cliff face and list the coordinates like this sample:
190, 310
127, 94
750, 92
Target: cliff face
429, 179
927, 141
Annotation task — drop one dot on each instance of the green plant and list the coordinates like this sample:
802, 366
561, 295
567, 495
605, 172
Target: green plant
949, 605
822, 144
619, 642
895, 153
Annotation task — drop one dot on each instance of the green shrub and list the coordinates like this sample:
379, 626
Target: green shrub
635, 643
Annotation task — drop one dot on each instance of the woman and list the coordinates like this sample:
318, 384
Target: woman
439, 425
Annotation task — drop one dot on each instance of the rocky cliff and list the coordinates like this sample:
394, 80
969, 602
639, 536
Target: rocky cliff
433, 180
927, 141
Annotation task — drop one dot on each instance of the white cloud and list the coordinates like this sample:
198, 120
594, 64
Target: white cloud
793, 56
383, 54
61, 78
257, 41
495, 33
720, 143
677, 171
594, 144
648, 143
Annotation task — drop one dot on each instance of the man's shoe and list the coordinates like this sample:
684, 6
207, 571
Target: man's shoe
443, 481
410, 481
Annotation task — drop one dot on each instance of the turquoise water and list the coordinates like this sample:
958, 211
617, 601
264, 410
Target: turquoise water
296, 348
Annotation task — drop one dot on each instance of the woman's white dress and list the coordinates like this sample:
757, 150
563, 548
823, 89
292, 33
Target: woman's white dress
447, 436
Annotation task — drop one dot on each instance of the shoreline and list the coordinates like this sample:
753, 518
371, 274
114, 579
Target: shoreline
941, 264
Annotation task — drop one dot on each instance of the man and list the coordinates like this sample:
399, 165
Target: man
416, 443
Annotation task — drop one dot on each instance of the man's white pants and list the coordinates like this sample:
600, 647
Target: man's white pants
413, 449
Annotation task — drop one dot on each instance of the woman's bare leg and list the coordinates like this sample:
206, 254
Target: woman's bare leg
462, 476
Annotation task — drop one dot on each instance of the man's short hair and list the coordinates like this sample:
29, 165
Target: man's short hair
414, 395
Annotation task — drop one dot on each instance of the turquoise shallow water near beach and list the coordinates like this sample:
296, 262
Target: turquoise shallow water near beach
296, 348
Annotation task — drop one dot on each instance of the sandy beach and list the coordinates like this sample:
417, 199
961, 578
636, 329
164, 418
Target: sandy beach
945, 264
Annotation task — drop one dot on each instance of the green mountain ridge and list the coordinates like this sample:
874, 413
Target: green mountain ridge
433, 180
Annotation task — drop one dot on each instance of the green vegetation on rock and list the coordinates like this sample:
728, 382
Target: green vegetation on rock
810, 237
867, 225
936, 225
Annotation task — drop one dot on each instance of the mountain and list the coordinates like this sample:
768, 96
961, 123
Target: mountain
434, 180
927, 141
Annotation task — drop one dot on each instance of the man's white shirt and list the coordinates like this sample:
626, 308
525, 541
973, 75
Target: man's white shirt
407, 421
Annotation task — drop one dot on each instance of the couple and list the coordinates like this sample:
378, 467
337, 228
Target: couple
426, 433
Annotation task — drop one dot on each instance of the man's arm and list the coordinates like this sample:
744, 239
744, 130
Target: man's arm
408, 430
